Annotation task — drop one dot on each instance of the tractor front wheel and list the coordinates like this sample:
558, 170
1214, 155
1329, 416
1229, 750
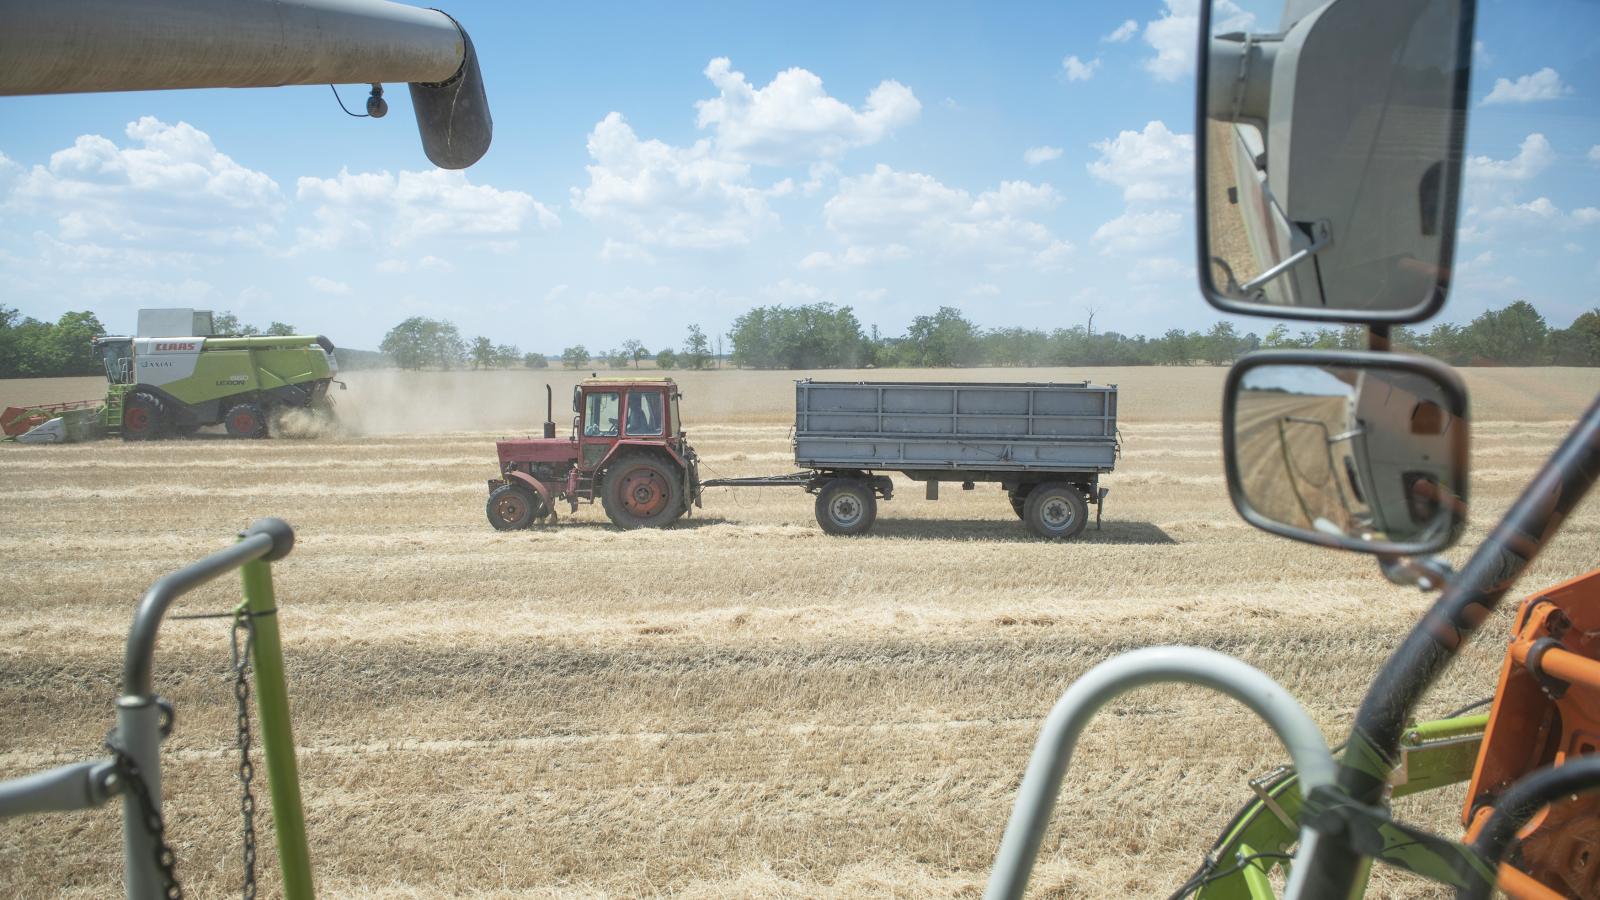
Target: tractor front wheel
642, 491
512, 507
144, 417
246, 420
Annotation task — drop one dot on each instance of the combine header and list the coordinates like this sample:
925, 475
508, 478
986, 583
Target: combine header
175, 377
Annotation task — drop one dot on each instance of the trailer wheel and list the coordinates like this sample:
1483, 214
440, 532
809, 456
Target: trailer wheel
245, 420
144, 417
511, 507
846, 507
642, 490
1056, 511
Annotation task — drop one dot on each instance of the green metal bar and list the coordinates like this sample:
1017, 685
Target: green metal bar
277, 738
1440, 729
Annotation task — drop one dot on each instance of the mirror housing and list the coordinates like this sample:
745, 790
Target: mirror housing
1359, 450
1329, 156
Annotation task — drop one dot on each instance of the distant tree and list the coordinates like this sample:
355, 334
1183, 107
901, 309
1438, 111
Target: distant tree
1514, 336
1278, 338
73, 337
1579, 343
696, 350
280, 329
666, 359
1176, 348
1222, 345
481, 352
419, 342
945, 338
535, 361
635, 351
226, 324
575, 357
506, 355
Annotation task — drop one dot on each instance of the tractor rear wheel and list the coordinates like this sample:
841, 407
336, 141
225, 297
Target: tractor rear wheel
846, 506
246, 420
511, 507
144, 417
642, 491
1056, 511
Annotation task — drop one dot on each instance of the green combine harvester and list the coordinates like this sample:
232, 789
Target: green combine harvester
175, 377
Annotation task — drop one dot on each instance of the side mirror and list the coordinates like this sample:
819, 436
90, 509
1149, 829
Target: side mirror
577, 400
1365, 451
1329, 156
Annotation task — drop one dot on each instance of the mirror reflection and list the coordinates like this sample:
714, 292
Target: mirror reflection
1353, 454
1352, 209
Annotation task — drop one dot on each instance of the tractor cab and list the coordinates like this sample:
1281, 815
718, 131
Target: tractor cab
627, 449
613, 411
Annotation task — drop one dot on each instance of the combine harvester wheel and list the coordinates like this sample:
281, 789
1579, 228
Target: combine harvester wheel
144, 418
246, 420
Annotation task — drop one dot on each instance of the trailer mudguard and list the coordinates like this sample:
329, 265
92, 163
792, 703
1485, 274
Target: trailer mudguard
534, 484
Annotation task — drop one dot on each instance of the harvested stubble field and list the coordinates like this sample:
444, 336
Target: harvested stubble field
739, 706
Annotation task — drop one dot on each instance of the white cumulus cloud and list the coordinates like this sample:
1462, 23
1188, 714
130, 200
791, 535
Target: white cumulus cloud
395, 210
1078, 70
886, 214
1545, 84
1594, 154
1122, 33
793, 119
1533, 156
169, 186
669, 196
1174, 35
328, 286
1137, 233
1153, 164
1034, 156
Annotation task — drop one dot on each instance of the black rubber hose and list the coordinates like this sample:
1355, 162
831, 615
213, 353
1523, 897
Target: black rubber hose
1521, 802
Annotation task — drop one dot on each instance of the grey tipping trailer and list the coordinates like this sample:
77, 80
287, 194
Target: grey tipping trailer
1046, 445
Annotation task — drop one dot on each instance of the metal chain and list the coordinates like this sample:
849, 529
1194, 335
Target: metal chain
166, 860
243, 621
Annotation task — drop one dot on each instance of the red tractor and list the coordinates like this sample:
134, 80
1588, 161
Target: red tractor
627, 449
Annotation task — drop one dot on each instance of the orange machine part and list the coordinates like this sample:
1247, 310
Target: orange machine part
1538, 722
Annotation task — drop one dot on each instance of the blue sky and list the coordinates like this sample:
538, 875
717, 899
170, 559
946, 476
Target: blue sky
660, 165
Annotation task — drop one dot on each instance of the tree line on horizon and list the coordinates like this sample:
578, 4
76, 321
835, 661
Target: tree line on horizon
824, 336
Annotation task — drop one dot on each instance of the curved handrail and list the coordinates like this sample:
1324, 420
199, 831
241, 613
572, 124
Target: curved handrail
269, 539
1019, 849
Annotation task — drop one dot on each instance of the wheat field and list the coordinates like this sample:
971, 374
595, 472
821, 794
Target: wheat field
738, 706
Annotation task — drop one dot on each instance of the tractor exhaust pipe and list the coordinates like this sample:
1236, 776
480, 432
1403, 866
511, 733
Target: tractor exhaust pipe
74, 46
549, 412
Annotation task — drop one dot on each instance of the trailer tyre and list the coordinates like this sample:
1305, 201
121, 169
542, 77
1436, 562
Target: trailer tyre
511, 507
642, 490
1056, 511
144, 417
246, 420
846, 507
